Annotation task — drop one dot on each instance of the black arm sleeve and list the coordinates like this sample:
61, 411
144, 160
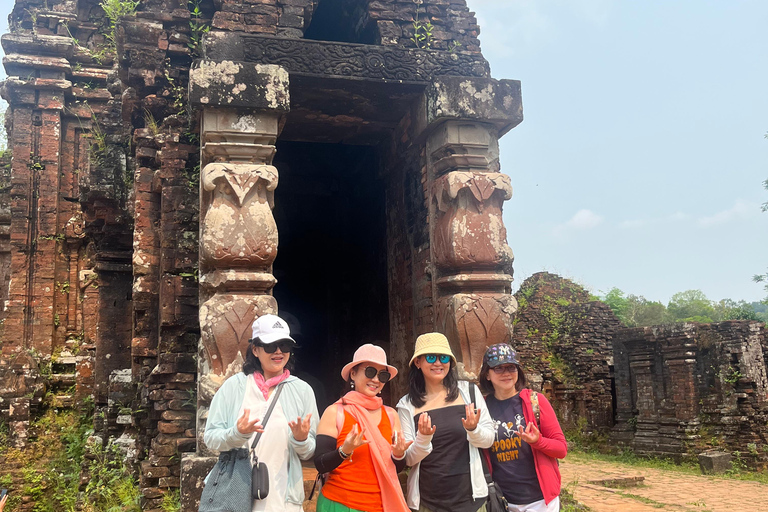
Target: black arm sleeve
399, 464
327, 457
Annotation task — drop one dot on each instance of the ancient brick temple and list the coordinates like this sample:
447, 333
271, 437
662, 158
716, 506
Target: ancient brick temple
181, 168
684, 389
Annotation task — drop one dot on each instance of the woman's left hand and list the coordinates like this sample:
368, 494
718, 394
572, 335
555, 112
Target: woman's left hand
530, 435
300, 428
399, 446
472, 419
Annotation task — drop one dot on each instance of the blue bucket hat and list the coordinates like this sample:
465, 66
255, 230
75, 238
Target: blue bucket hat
499, 354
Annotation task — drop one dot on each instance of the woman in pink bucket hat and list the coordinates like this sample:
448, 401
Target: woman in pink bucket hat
359, 443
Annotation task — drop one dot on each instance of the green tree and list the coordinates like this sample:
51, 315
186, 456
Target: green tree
642, 312
634, 310
616, 300
728, 309
690, 306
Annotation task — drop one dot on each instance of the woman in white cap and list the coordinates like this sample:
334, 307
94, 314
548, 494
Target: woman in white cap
359, 441
529, 439
239, 406
447, 430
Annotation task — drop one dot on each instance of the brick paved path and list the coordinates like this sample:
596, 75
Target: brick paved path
662, 490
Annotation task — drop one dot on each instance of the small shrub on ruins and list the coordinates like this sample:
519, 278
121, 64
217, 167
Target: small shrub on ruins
56, 453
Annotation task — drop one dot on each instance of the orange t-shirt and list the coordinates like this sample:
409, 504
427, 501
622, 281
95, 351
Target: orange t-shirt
354, 483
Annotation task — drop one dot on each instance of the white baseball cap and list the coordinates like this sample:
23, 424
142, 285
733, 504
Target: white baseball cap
271, 328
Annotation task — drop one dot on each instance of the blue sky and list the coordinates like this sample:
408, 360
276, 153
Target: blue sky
642, 154
641, 157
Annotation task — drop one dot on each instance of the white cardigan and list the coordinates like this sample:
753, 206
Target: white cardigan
482, 437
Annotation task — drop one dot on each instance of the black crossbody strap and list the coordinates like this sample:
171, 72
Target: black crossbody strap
266, 416
481, 452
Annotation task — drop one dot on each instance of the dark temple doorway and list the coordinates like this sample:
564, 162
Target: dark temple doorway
331, 265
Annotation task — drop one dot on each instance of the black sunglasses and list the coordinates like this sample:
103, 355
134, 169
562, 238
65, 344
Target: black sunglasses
384, 375
431, 358
285, 346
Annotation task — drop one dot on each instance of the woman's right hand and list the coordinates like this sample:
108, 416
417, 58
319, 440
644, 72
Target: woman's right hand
353, 440
247, 426
425, 425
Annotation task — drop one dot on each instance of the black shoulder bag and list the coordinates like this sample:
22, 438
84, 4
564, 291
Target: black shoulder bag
496, 501
234, 482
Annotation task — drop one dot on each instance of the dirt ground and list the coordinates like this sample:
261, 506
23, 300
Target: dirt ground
660, 489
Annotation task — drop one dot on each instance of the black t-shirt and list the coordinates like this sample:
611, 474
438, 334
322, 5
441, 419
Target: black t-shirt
445, 483
514, 470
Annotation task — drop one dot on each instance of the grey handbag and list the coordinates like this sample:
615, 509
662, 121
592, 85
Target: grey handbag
234, 481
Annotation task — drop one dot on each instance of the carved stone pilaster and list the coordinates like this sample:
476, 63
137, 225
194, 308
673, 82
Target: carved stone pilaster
473, 263
238, 234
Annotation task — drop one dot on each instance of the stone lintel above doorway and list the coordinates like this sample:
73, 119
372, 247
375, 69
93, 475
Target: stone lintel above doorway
345, 60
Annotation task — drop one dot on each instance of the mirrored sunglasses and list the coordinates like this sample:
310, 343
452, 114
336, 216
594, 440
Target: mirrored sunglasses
504, 368
431, 358
285, 347
384, 375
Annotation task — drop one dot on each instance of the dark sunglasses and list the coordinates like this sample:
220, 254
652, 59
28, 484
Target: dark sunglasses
431, 358
285, 347
501, 370
384, 375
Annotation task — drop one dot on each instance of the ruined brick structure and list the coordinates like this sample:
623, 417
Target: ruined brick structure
142, 228
687, 388
564, 340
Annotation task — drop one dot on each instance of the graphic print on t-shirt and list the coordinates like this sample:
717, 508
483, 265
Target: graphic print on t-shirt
507, 445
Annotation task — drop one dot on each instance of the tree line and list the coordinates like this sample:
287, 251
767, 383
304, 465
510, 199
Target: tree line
688, 306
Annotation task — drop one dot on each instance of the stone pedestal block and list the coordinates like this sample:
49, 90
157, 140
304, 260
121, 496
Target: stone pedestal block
715, 462
194, 469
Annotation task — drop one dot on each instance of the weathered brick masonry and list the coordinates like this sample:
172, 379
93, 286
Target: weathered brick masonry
687, 388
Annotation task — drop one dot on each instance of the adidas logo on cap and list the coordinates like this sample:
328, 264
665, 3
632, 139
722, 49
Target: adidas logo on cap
271, 328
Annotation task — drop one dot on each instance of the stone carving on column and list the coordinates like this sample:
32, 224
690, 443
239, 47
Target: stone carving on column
243, 105
473, 263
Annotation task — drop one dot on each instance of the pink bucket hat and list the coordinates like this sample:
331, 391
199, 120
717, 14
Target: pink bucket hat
368, 353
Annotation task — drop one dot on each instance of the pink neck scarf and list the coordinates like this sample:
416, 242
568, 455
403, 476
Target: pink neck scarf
264, 385
358, 405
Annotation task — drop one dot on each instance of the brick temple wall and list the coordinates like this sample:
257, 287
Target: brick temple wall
563, 339
687, 388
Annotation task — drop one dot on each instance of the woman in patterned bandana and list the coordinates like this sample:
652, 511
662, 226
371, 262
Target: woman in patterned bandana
524, 455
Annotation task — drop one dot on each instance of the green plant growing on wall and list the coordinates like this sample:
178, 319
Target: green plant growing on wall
197, 27
732, 375
422, 30
114, 10
171, 501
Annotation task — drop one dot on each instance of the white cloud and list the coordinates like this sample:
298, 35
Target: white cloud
740, 210
641, 223
633, 224
582, 220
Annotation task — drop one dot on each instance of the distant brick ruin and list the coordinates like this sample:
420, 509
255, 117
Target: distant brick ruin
688, 388
179, 170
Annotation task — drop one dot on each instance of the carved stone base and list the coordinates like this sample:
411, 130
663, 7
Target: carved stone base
476, 321
194, 469
225, 324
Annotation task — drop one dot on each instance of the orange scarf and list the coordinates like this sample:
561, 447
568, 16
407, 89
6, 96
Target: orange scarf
358, 405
